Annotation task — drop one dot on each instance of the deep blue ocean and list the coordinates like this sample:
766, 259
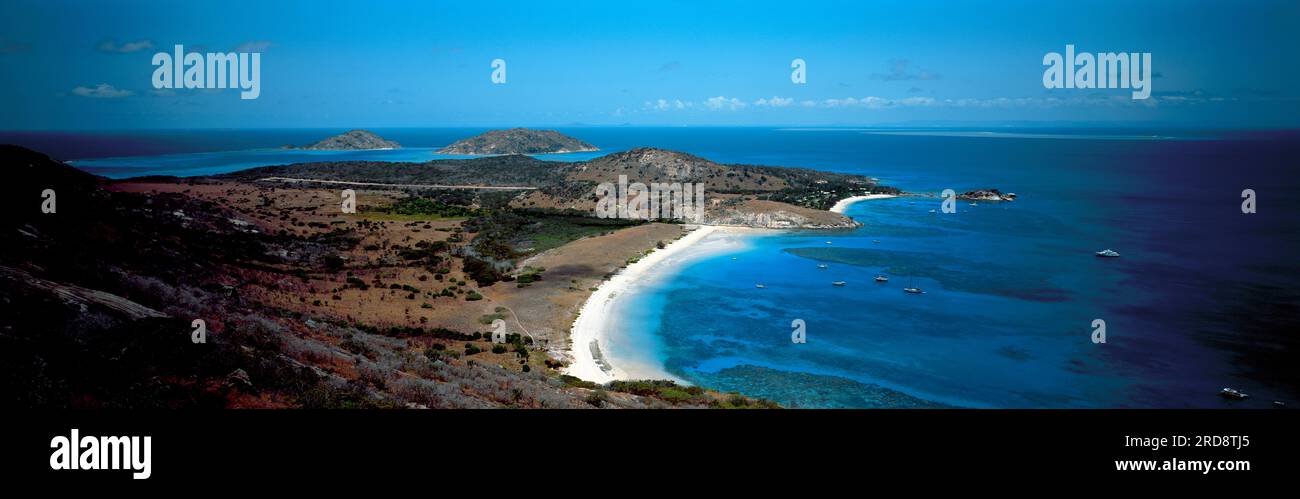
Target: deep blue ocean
1204, 296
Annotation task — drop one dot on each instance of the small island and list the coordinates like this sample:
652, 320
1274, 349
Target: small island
518, 141
355, 140
987, 195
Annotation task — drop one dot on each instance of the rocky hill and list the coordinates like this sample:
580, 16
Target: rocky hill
746, 195
353, 141
647, 164
518, 141
790, 197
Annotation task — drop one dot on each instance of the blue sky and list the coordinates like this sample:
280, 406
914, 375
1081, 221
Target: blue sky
86, 65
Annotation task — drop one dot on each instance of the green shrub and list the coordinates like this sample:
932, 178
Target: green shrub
674, 396
577, 382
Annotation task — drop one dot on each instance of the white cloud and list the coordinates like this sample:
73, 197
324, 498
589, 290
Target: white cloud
774, 102
666, 105
101, 91
874, 102
839, 102
721, 103
917, 101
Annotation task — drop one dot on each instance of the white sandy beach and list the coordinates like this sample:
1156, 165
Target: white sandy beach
843, 204
596, 319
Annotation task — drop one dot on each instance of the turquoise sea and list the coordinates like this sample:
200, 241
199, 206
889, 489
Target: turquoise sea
1204, 296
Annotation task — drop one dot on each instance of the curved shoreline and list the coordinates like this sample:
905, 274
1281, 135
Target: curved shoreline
844, 204
591, 332
590, 335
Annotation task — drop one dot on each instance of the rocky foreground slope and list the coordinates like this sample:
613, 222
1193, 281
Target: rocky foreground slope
100, 299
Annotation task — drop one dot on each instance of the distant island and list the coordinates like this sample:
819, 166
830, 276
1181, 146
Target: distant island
355, 140
738, 195
987, 195
518, 141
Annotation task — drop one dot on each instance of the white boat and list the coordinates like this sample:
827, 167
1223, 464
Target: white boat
1233, 394
912, 288
828, 242
821, 265
760, 286
838, 283
882, 278
1108, 253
